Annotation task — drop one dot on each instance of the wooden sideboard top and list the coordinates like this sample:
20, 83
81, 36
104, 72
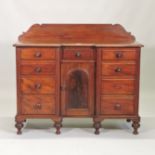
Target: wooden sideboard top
100, 35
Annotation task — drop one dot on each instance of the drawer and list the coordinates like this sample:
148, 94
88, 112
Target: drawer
117, 105
71, 53
37, 85
118, 86
118, 69
38, 53
119, 54
42, 104
37, 68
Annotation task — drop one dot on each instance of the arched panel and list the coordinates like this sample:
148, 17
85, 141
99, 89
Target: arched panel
77, 89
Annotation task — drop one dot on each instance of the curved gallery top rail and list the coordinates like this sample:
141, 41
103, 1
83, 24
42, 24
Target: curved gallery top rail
77, 34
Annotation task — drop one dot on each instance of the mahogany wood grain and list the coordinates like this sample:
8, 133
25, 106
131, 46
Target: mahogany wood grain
77, 70
38, 68
115, 86
118, 69
38, 85
78, 53
117, 105
119, 54
38, 53
77, 89
42, 104
76, 33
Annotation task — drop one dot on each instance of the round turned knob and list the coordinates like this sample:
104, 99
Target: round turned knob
118, 70
37, 55
37, 86
119, 55
77, 54
117, 106
37, 69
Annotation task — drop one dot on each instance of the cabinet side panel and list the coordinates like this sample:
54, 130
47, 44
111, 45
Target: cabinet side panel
137, 82
18, 80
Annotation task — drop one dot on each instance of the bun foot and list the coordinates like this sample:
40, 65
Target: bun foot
19, 126
58, 126
135, 125
97, 126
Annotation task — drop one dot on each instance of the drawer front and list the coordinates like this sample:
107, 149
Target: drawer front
78, 53
38, 53
117, 105
118, 69
37, 85
38, 68
42, 104
119, 54
118, 86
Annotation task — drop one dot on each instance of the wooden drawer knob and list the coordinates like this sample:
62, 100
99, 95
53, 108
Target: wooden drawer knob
117, 70
37, 69
119, 55
37, 55
77, 54
37, 86
37, 106
117, 106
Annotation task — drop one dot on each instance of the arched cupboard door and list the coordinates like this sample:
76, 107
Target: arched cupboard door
77, 88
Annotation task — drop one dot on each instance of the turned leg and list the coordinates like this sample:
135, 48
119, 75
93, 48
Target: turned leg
135, 125
128, 120
97, 126
19, 125
58, 125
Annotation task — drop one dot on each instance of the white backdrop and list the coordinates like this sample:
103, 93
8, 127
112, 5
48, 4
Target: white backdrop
16, 16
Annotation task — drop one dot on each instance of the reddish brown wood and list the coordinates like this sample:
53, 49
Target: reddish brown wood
120, 69
77, 88
119, 54
117, 105
78, 53
77, 33
118, 86
77, 70
38, 53
35, 85
38, 68
42, 104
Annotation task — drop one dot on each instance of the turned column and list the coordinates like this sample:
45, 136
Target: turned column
135, 125
97, 126
19, 125
58, 125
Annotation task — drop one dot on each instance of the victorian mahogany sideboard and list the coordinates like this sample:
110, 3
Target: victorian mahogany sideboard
77, 70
